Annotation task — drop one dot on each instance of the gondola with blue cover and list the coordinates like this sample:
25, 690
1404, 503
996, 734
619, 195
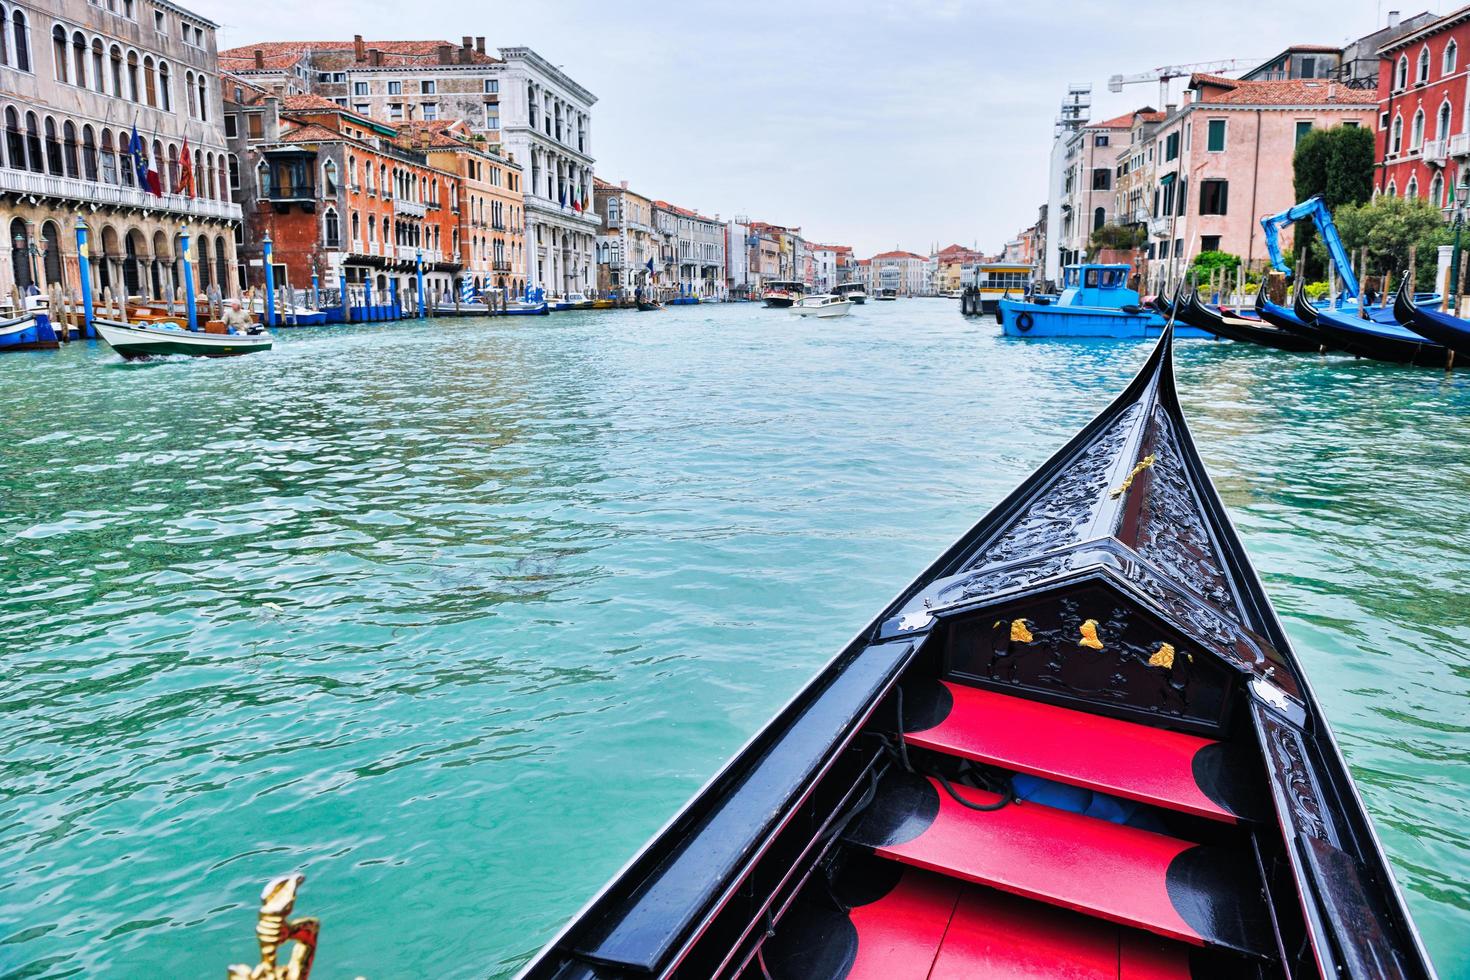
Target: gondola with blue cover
1381, 341
1079, 744
1441, 328
1193, 311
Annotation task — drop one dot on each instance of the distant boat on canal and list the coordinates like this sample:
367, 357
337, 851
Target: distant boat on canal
161, 338
783, 293
1095, 302
854, 291
823, 305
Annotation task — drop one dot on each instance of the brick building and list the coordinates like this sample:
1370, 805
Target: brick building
492, 244
1423, 140
341, 199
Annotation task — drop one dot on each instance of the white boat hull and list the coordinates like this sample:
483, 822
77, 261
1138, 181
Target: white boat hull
136, 341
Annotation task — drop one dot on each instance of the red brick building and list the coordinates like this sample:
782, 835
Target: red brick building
340, 198
1423, 139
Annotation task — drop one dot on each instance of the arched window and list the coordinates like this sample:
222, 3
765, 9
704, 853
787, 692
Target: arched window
1393, 190
1442, 125
173, 170
165, 94
116, 57
1451, 55
89, 154
99, 61
224, 191
206, 177
53, 149
1401, 76
1099, 218
329, 177
372, 229
1416, 131
191, 93
201, 249
79, 59
58, 51
69, 149
134, 92
331, 229
198, 174
15, 141
1436, 191
150, 82
22, 37
1422, 75
125, 170
234, 165
1398, 133
263, 179
108, 161
356, 229
221, 270
1412, 191
203, 98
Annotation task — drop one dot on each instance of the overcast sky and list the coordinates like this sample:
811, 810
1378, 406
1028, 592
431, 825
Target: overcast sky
877, 123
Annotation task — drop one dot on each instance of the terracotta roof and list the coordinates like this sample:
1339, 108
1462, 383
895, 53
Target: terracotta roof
396, 53
1218, 90
897, 255
245, 61
312, 133
304, 103
250, 93
1117, 122
445, 134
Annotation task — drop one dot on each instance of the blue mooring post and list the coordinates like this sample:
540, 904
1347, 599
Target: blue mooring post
393, 291
84, 266
270, 286
418, 263
346, 300
189, 279
367, 299
316, 298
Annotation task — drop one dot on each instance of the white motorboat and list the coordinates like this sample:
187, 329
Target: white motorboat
159, 338
822, 305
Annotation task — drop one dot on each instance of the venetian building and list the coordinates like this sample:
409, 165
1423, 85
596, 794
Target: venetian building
76, 78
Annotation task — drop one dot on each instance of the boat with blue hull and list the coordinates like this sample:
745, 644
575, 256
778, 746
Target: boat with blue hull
1095, 302
1195, 312
1381, 341
29, 331
1442, 328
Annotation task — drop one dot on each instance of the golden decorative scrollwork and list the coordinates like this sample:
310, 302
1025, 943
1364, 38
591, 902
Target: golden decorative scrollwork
1122, 488
1019, 632
1089, 636
273, 929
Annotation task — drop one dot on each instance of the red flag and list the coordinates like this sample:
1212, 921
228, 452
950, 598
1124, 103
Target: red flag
154, 186
186, 173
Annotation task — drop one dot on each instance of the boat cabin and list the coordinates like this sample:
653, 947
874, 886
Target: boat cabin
786, 286
1097, 285
1003, 277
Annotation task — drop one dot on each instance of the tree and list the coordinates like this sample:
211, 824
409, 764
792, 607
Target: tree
1336, 163
1115, 236
1205, 264
1387, 226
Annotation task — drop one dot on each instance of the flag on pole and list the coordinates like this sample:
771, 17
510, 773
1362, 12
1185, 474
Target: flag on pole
562, 194
140, 162
186, 173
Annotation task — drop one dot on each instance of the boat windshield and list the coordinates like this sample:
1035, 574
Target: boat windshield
1071, 277
1102, 278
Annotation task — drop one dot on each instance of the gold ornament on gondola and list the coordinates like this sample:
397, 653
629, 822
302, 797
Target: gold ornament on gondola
1089, 636
1019, 632
1122, 488
273, 929
1164, 657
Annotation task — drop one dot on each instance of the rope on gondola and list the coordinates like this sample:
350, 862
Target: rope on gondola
1007, 793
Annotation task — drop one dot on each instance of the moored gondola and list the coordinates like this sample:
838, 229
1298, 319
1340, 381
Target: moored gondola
1377, 340
1194, 312
1442, 328
1299, 320
1079, 744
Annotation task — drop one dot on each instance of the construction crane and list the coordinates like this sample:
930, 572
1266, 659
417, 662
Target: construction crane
1168, 73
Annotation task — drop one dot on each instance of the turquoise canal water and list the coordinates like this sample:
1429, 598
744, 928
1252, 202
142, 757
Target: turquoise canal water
453, 617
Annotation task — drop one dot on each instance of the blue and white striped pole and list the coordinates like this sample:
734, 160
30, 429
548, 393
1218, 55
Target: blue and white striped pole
418, 262
189, 279
84, 267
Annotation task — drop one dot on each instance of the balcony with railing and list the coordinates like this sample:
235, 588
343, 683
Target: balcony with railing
1435, 152
1460, 145
412, 209
112, 195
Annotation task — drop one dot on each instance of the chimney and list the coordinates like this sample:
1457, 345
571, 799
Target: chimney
359, 50
375, 57
1169, 109
624, 183
480, 45
270, 129
259, 60
446, 54
1393, 19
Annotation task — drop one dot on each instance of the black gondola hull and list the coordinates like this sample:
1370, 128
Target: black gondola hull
1193, 312
1440, 328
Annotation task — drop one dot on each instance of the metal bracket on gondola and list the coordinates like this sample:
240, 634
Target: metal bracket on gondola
1264, 688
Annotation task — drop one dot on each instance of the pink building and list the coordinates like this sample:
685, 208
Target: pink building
1223, 161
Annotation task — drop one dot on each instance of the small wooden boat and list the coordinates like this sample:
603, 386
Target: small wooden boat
162, 338
518, 307
1078, 745
28, 331
1442, 328
822, 305
1194, 312
645, 307
572, 301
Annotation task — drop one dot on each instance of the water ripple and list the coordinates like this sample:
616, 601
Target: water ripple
452, 617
